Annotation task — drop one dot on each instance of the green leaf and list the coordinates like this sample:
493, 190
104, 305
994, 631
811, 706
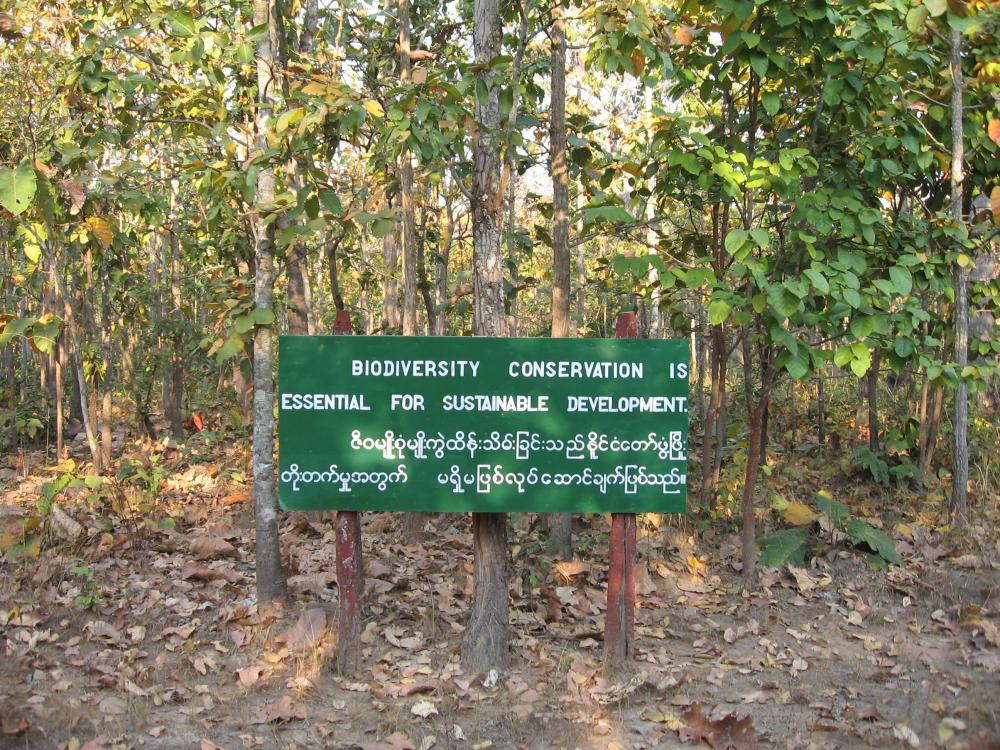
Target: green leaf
761, 237
243, 323
852, 298
610, 214
759, 63
843, 355
17, 187
506, 101
819, 282
735, 240
232, 346
862, 326
771, 101
798, 363
785, 546
263, 316
901, 279
902, 346
718, 311
936, 7
916, 18
836, 512
862, 532
861, 363
181, 23
331, 202
382, 227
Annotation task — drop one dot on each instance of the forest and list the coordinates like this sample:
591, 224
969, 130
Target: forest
806, 193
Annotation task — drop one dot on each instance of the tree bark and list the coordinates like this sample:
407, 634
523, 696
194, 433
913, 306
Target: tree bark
872, 396
560, 524
392, 315
271, 583
484, 644
959, 506
406, 189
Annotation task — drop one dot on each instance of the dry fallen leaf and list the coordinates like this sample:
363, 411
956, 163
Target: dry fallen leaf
307, 630
423, 709
212, 548
280, 710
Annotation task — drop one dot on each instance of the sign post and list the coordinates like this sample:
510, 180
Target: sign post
619, 617
485, 425
350, 566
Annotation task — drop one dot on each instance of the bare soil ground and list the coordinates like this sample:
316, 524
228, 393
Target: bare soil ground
145, 633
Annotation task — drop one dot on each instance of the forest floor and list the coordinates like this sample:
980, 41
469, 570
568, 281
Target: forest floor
144, 632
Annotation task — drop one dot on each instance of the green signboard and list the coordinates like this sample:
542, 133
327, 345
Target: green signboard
479, 424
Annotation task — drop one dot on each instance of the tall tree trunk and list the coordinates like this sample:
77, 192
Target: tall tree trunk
484, 644
175, 409
872, 397
413, 523
271, 584
332, 246
560, 524
959, 506
406, 189
392, 315
107, 379
76, 355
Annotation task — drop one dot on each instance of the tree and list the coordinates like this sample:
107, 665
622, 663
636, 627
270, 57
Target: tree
271, 584
484, 644
560, 524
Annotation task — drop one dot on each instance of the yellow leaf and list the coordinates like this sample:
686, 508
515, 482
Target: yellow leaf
799, 514
993, 130
374, 108
101, 230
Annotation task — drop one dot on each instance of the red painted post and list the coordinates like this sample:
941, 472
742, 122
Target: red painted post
619, 623
350, 569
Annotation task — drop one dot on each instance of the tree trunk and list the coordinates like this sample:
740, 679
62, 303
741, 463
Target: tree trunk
271, 584
175, 406
560, 524
406, 189
484, 644
959, 506
872, 396
392, 316
107, 379
749, 536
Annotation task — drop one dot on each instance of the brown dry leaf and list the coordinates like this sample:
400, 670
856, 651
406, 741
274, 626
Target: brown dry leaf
281, 710
177, 635
568, 569
101, 629
307, 630
212, 548
236, 497
401, 741
728, 733
248, 676
77, 195
198, 572
419, 75
683, 36
209, 745
995, 204
803, 581
13, 727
